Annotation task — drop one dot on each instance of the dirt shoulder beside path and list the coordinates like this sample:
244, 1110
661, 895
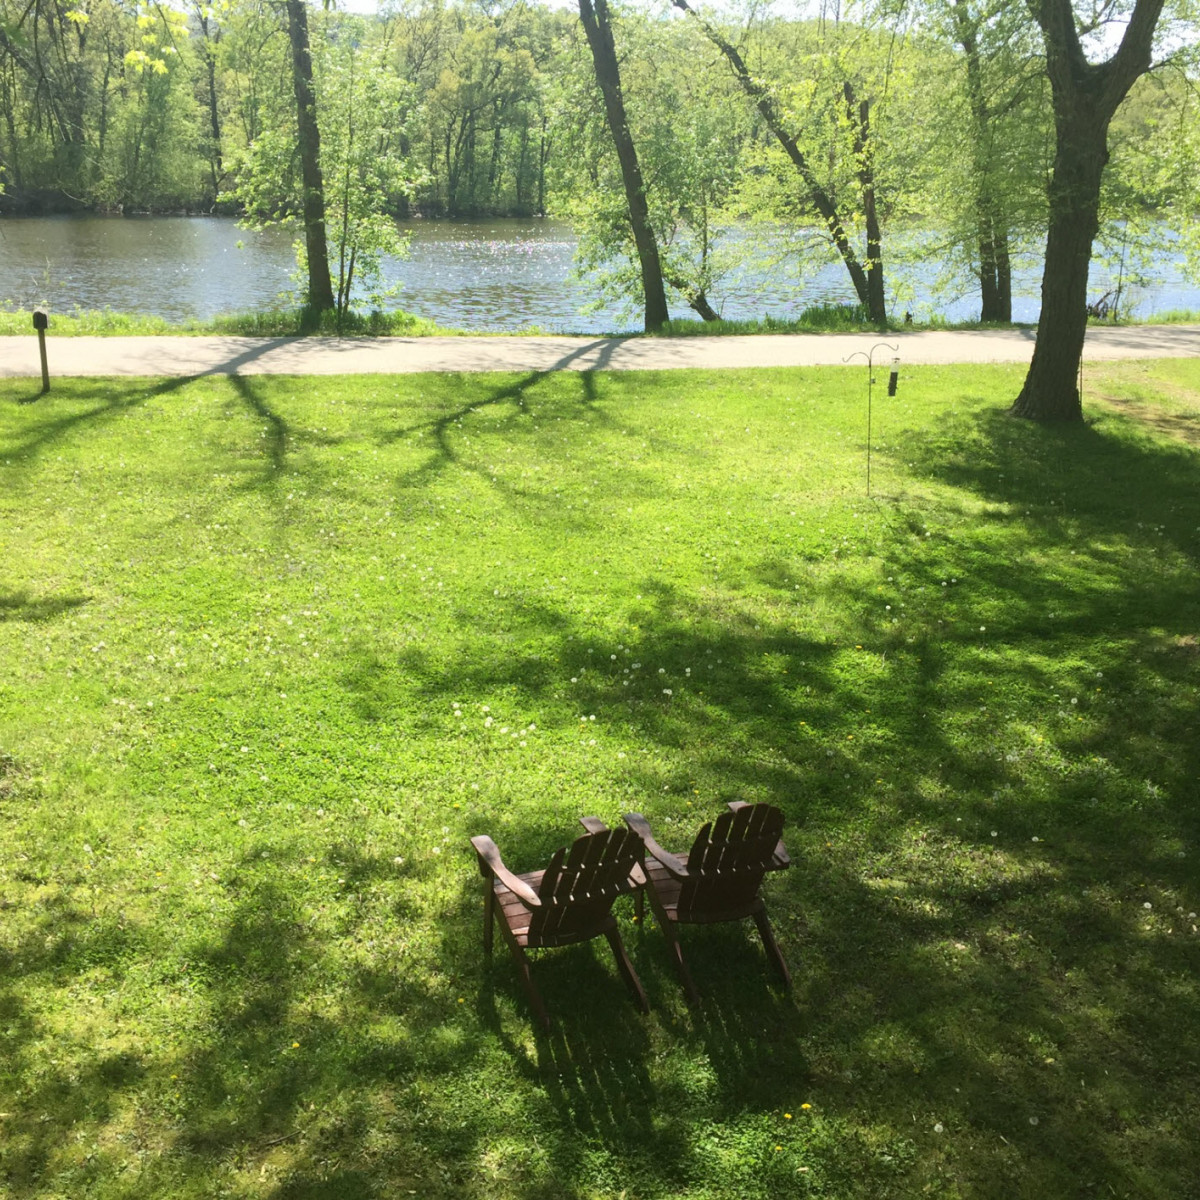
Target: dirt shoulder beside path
184, 356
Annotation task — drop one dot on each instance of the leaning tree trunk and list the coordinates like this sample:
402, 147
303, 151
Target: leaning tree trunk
1051, 391
604, 55
870, 295
320, 286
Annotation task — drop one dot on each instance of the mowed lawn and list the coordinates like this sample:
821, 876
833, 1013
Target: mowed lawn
274, 648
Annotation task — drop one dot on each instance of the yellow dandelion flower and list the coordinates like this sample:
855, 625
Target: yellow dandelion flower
806, 1107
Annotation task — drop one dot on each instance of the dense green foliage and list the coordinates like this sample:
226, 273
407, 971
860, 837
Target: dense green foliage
275, 647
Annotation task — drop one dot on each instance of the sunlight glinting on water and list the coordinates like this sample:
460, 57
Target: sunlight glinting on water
490, 274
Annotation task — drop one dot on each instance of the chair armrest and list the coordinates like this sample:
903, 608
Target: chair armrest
593, 824
641, 827
491, 864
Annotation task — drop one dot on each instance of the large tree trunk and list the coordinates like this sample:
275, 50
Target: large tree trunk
320, 287
1085, 97
604, 55
1051, 391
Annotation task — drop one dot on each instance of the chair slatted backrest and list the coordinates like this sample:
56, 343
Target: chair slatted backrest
736, 843
580, 885
728, 860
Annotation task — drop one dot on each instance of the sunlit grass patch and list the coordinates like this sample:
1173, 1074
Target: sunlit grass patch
275, 647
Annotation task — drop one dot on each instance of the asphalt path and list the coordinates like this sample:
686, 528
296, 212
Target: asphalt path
188, 356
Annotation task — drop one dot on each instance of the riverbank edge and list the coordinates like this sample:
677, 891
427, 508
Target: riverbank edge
107, 324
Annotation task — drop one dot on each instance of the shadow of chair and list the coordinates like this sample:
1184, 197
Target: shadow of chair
570, 901
717, 880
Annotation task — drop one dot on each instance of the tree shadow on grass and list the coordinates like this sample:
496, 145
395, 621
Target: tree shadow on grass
943, 976
21, 606
1012, 990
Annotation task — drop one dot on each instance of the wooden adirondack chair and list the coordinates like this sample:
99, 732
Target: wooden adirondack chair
570, 901
718, 879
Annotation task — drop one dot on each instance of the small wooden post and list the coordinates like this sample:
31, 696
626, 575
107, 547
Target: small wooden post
40, 320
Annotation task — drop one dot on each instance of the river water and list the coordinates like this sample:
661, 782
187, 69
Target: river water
496, 274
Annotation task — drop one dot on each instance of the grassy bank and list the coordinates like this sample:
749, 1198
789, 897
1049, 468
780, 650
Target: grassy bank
268, 323
295, 323
275, 647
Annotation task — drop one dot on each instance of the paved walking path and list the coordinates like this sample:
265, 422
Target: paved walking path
181, 356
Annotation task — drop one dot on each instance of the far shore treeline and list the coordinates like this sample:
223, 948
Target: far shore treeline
1004, 128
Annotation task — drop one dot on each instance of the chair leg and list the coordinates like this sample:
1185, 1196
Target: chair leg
535, 999
668, 928
489, 915
771, 946
626, 969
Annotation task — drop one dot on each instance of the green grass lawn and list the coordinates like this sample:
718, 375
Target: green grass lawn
273, 648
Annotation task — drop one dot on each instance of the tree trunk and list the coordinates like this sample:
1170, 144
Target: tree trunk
696, 298
995, 270
995, 275
216, 166
859, 115
604, 56
1051, 391
1085, 97
320, 286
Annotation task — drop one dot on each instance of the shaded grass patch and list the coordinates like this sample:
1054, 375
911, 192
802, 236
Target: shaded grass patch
280, 645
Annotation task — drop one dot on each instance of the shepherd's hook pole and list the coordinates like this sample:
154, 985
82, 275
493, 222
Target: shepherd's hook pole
870, 357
